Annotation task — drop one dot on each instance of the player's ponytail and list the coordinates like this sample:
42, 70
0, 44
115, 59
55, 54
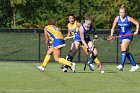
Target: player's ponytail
122, 7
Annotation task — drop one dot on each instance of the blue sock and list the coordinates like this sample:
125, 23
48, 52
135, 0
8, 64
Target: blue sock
123, 57
90, 60
69, 58
131, 59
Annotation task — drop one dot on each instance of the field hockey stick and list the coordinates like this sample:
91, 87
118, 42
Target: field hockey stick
85, 66
116, 37
66, 38
86, 62
88, 57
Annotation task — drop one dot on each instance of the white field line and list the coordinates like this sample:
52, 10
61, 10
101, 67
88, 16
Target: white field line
22, 90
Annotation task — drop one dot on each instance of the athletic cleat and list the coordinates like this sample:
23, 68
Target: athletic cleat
137, 67
62, 66
100, 66
120, 67
41, 68
134, 68
73, 67
65, 69
91, 66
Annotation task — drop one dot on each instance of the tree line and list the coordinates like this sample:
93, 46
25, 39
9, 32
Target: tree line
35, 13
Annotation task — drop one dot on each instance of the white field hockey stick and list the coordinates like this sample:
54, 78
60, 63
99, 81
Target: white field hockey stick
66, 38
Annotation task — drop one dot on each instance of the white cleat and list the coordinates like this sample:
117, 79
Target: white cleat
73, 67
137, 67
120, 67
65, 69
91, 66
41, 68
134, 68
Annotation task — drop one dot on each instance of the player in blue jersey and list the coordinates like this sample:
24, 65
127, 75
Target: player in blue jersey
78, 42
85, 31
123, 22
95, 36
93, 31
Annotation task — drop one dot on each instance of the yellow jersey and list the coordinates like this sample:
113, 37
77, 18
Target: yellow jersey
73, 28
54, 32
56, 35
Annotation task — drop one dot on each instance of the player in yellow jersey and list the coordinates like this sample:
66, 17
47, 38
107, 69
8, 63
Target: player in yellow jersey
72, 28
51, 31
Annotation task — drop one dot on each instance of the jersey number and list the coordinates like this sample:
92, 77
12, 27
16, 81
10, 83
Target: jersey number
122, 28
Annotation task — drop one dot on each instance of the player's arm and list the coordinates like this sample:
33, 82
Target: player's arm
46, 36
113, 28
136, 23
82, 36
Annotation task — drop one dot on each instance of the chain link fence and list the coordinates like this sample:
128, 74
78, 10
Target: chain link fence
29, 45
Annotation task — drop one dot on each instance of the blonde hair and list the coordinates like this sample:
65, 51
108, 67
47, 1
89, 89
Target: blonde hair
88, 21
122, 7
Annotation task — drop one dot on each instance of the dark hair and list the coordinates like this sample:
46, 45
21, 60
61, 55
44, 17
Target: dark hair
77, 19
87, 17
72, 15
51, 22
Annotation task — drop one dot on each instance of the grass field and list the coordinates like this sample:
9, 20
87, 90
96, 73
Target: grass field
19, 77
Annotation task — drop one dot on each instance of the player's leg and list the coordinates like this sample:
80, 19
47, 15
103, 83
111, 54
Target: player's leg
132, 60
69, 53
72, 54
124, 45
56, 53
46, 59
74, 50
93, 56
69, 58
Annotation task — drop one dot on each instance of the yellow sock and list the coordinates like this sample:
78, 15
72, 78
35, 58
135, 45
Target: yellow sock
46, 60
64, 61
97, 61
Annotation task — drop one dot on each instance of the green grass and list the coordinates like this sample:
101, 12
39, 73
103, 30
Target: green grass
18, 77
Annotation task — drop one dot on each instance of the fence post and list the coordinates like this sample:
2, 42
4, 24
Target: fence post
117, 53
80, 1
39, 39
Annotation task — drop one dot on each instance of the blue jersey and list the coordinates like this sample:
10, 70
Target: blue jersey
124, 28
86, 34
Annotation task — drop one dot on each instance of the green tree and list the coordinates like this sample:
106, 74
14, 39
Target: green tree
35, 13
14, 4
